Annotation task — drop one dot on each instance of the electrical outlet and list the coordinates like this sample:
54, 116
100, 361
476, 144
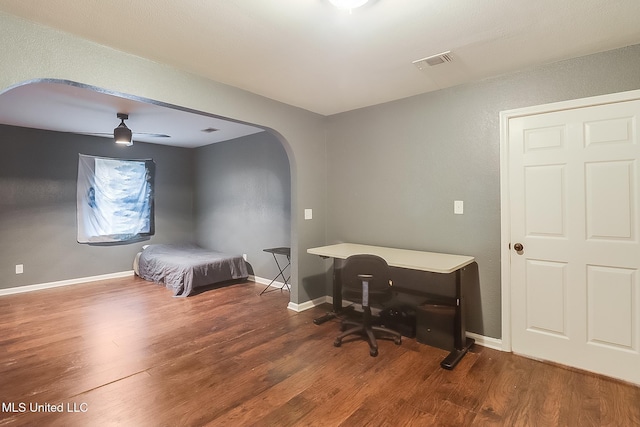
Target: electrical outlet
19, 268
308, 214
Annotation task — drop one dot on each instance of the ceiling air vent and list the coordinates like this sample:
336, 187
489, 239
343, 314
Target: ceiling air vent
433, 60
210, 130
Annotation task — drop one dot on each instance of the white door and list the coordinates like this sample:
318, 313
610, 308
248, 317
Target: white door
574, 192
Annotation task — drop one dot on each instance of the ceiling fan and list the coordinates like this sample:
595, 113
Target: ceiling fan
123, 135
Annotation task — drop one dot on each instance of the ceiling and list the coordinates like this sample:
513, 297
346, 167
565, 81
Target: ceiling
308, 54
79, 109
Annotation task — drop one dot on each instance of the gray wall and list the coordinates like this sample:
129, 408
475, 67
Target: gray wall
38, 173
395, 169
243, 199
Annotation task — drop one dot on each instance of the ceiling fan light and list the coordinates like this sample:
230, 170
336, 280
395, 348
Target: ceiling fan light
347, 4
122, 134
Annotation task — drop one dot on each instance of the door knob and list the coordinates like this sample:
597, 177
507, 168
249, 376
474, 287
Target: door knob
518, 247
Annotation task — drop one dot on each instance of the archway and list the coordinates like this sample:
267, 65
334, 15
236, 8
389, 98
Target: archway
65, 106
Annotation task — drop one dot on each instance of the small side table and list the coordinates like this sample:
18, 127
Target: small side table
285, 252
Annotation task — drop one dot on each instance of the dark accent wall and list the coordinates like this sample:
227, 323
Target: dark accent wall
38, 173
243, 199
395, 169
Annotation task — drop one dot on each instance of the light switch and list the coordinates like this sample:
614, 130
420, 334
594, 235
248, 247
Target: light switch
308, 214
458, 207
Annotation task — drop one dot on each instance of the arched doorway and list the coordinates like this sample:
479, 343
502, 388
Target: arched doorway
57, 108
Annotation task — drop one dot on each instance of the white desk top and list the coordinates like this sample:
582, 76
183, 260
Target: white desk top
415, 260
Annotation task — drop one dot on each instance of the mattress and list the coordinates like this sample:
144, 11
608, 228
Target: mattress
183, 268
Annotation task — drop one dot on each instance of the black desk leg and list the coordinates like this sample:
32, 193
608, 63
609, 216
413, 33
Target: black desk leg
337, 298
461, 342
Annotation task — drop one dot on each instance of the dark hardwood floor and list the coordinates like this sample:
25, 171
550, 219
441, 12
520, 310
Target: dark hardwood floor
124, 352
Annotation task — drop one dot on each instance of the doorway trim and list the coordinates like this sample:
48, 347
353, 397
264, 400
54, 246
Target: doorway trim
505, 214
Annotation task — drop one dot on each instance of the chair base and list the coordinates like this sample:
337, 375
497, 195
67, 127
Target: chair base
369, 333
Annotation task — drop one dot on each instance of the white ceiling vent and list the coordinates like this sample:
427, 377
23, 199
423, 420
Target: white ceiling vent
433, 60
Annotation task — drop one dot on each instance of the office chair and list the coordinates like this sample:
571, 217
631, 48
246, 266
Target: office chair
365, 279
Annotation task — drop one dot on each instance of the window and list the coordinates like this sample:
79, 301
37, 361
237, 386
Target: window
115, 200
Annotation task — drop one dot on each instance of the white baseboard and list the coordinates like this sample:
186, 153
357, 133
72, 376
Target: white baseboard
49, 285
291, 306
489, 342
306, 305
263, 281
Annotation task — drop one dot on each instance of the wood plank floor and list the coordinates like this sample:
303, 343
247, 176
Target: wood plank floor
124, 352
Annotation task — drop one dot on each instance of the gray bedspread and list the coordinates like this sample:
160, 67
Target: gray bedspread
182, 268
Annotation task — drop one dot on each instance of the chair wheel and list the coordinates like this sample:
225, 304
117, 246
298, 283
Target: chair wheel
373, 353
337, 343
398, 341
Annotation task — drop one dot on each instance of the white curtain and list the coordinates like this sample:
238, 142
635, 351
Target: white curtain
114, 199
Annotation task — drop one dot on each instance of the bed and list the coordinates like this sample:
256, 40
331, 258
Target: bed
183, 268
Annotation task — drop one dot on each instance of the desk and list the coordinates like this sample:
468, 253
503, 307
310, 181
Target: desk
414, 260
